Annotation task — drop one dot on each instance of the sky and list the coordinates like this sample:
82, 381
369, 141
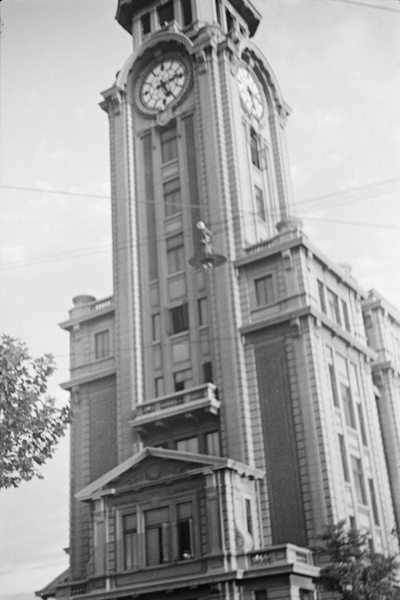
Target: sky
338, 65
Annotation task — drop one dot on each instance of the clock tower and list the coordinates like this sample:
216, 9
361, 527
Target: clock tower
223, 398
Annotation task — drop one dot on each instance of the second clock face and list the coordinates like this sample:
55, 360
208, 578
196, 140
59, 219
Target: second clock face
249, 93
163, 83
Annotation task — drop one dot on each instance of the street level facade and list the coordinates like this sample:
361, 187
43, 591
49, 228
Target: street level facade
239, 391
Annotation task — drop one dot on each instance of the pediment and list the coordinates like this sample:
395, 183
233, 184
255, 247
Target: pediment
149, 466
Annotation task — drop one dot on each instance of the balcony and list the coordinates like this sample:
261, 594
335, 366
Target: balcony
190, 403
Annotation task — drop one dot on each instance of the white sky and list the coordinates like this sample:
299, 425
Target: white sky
338, 65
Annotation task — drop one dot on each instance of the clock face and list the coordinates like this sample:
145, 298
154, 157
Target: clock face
163, 83
249, 93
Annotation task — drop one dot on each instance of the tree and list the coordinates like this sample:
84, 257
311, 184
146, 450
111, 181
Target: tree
354, 570
30, 423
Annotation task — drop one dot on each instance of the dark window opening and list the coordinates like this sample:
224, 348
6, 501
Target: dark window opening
187, 12
373, 501
264, 290
230, 21
362, 425
213, 447
346, 316
249, 516
260, 204
179, 318
157, 536
202, 311
348, 406
333, 304
321, 293
343, 457
185, 539
169, 144
145, 24
358, 477
129, 540
102, 344
165, 13
182, 379
188, 445
175, 254
254, 149
218, 11
334, 388
172, 197
207, 372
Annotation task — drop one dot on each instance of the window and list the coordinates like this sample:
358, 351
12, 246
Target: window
218, 11
202, 311
260, 595
159, 386
182, 379
172, 197
333, 307
345, 312
145, 24
175, 254
169, 144
348, 405
212, 444
102, 344
185, 531
334, 389
373, 501
254, 149
129, 538
249, 517
165, 13
157, 536
230, 21
321, 293
207, 372
186, 6
358, 477
188, 445
155, 327
179, 318
264, 290
362, 424
260, 205
343, 456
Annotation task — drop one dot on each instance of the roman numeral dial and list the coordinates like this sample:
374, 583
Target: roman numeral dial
163, 83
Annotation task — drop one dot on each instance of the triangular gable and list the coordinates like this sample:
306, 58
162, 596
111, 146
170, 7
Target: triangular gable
159, 463
151, 464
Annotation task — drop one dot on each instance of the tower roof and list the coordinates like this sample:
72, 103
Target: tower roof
128, 8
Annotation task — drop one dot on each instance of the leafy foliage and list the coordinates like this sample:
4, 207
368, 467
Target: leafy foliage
355, 571
30, 424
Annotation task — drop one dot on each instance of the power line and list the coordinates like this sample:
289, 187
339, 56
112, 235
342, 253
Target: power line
366, 5
358, 223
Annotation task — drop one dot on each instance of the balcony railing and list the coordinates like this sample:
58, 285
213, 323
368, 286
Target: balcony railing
202, 397
286, 554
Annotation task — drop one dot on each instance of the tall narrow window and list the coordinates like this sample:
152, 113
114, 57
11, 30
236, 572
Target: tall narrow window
249, 516
213, 444
156, 327
358, 477
343, 457
254, 148
230, 21
186, 6
321, 294
346, 318
264, 290
165, 13
175, 254
145, 23
373, 501
260, 203
159, 386
157, 536
102, 344
129, 540
334, 389
348, 405
179, 318
333, 306
185, 531
362, 424
202, 311
218, 11
169, 144
207, 372
172, 197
